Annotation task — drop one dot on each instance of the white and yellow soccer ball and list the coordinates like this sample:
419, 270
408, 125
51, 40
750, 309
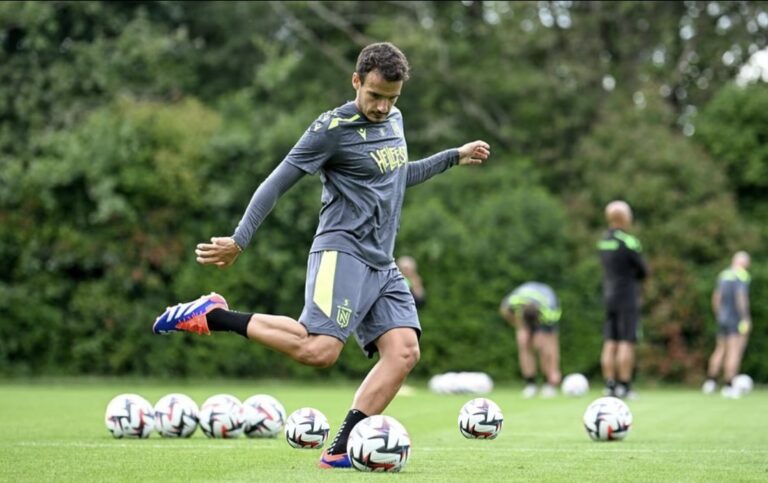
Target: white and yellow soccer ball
480, 418
264, 416
130, 416
222, 416
307, 428
379, 443
575, 385
607, 419
176, 416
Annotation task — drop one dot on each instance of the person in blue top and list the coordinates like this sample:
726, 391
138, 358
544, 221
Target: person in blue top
534, 311
353, 286
730, 304
623, 270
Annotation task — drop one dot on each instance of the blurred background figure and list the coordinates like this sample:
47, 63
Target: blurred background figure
623, 269
534, 311
409, 269
730, 303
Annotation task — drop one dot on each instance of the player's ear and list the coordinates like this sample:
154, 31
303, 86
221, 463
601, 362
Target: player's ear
356, 82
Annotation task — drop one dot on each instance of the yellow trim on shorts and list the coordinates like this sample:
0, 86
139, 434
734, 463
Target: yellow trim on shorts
323, 296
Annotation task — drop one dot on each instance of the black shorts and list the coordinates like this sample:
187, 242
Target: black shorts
622, 323
731, 327
543, 328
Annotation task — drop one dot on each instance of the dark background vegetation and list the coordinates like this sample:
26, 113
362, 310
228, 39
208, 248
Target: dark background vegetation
130, 131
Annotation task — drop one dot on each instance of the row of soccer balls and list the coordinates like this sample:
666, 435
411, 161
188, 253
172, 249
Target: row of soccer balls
177, 416
378, 443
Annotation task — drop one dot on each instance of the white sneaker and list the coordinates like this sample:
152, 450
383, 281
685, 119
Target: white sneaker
709, 387
548, 391
730, 392
529, 391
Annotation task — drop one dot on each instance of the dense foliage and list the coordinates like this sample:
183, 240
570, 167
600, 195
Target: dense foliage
131, 131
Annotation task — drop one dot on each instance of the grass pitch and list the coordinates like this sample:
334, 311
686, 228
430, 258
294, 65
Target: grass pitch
54, 431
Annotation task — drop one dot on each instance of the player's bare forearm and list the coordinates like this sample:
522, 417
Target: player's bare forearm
222, 252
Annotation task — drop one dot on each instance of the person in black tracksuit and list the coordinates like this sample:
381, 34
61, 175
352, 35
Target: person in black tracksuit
623, 270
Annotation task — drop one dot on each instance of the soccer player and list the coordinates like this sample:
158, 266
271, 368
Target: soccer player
730, 303
534, 311
408, 268
623, 269
353, 285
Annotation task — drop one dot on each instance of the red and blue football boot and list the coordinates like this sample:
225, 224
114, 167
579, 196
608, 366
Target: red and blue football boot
334, 460
190, 316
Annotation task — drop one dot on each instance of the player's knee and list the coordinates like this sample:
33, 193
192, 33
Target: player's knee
318, 356
409, 356
325, 360
319, 359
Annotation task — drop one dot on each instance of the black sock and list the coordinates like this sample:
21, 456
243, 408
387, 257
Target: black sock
339, 445
610, 384
530, 381
220, 320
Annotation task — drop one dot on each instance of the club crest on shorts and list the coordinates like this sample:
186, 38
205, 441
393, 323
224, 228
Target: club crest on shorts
343, 314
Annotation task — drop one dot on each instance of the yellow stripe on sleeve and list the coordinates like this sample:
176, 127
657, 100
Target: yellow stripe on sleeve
323, 295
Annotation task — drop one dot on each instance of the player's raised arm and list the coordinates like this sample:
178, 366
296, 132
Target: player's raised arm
223, 251
308, 156
471, 153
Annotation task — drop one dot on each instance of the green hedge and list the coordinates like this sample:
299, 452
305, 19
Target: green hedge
130, 132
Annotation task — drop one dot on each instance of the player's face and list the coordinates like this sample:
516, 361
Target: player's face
406, 268
376, 96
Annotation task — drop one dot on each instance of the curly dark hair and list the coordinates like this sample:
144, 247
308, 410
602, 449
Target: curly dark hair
384, 57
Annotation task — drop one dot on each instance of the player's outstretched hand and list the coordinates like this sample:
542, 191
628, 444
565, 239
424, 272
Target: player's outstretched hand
222, 252
474, 153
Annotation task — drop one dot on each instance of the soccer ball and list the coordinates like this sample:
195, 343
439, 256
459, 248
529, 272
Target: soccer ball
306, 428
575, 385
461, 383
743, 383
221, 399
176, 416
379, 443
264, 416
607, 419
222, 416
480, 418
129, 416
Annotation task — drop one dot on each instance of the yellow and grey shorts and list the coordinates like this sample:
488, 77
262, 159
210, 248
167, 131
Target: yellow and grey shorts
343, 295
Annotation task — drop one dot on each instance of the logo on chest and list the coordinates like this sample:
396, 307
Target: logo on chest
390, 158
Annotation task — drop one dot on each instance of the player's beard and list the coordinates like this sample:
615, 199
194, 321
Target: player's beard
377, 117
